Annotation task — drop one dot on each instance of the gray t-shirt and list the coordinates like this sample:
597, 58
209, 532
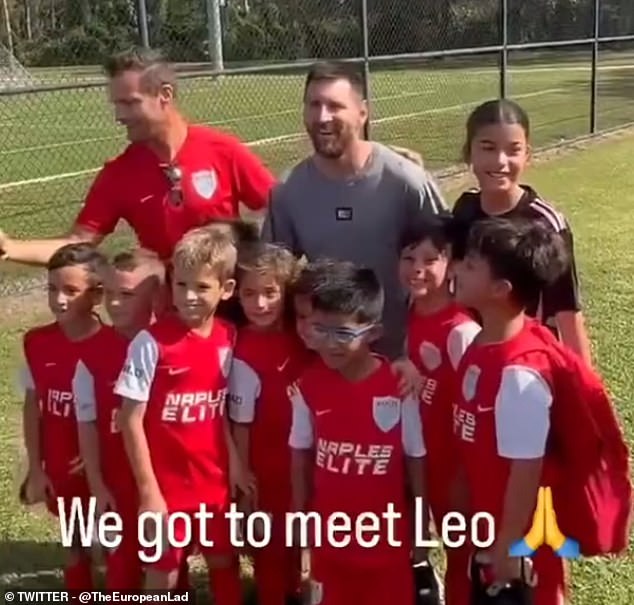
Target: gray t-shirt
359, 220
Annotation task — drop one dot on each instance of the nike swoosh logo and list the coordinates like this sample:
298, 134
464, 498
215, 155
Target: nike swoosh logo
146, 198
176, 371
281, 367
482, 408
321, 412
50, 364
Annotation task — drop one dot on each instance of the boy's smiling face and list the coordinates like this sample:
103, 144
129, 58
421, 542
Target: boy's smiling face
197, 292
72, 293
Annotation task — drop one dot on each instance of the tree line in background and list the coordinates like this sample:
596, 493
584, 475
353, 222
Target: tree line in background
76, 32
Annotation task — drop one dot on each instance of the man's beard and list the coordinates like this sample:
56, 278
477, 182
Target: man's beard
331, 147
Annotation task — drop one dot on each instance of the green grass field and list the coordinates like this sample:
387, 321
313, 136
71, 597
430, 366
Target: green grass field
593, 186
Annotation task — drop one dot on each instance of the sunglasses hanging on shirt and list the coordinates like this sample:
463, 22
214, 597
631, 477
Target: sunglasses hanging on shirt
174, 175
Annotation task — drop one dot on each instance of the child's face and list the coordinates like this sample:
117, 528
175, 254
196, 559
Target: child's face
303, 314
72, 294
423, 269
129, 297
475, 285
499, 154
339, 340
262, 299
196, 293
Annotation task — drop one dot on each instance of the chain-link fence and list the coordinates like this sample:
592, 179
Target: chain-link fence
570, 63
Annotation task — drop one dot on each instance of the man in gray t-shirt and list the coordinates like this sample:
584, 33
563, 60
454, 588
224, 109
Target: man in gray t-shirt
352, 199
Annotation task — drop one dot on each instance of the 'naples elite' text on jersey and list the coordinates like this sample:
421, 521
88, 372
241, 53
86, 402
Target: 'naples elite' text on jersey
183, 378
361, 433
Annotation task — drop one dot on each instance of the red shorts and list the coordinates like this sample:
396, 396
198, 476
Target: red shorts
335, 583
184, 532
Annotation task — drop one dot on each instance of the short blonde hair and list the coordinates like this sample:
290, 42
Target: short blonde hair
137, 258
207, 247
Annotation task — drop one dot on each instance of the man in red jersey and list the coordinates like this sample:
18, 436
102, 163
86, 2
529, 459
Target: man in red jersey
131, 282
357, 447
50, 429
505, 396
172, 177
175, 429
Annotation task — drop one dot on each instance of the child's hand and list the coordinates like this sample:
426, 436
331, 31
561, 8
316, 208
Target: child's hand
76, 466
37, 487
105, 501
410, 380
153, 502
241, 480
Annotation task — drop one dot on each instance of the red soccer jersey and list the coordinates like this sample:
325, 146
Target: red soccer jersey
51, 359
218, 172
361, 433
183, 378
502, 414
264, 365
436, 343
93, 383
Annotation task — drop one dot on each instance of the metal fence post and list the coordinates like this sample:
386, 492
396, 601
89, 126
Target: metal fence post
594, 82
365, 53
143, 25
504, 53
214, 35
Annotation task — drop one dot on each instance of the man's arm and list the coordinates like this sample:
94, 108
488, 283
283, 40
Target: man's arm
253, 179
37, 252
278, 226
97, 218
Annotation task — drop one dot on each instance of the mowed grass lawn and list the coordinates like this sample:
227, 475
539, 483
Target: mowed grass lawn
593, 186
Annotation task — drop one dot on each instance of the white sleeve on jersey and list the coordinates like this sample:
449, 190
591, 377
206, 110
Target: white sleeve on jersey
25, 378
301, 437
459, 340
244, 390
522, 413
137, 375
412, 428
84, 394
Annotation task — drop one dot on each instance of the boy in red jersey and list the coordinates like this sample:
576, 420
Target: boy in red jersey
132, 282
50, 428
502, 415
175, 431
438, 333
268, 357
357, 444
